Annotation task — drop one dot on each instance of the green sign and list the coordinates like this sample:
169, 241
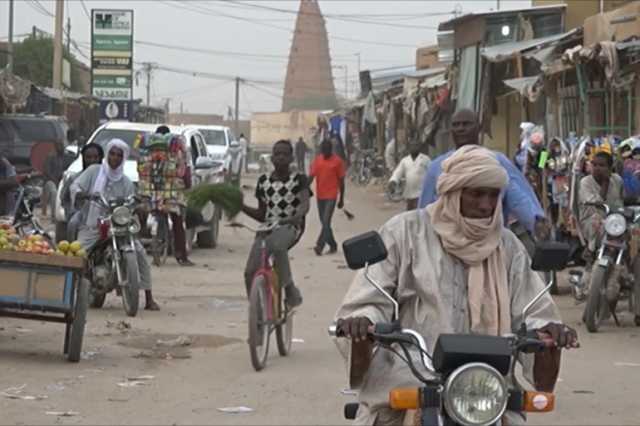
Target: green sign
111, 42
114, 81
112, 53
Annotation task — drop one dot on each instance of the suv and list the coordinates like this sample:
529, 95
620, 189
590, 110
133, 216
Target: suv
20, 133
218, 139
205, 170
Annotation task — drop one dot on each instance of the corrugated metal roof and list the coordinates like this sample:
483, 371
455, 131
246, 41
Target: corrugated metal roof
452, 23
506, 51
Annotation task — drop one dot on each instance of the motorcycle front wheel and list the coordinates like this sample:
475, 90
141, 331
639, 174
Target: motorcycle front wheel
596, 309
130, 291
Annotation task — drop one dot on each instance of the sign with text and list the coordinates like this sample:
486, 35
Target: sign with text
116, 110
112, 55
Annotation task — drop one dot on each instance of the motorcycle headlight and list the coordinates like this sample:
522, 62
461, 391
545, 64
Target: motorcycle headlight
476, 394
615, 225
121, 216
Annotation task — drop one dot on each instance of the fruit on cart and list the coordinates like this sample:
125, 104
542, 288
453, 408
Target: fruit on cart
74, 249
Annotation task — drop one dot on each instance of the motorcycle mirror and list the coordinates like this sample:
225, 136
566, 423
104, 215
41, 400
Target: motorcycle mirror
550, 256
363, 251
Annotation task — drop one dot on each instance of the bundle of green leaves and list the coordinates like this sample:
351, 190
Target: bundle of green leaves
227, 196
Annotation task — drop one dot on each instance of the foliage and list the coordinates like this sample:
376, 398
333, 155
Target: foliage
227, 196
33, 61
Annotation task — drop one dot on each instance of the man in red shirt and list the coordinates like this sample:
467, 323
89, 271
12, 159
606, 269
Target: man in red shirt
329, 171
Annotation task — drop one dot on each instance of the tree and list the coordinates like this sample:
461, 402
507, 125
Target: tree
33, 60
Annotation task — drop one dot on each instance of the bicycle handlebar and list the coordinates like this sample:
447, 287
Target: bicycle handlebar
265, 227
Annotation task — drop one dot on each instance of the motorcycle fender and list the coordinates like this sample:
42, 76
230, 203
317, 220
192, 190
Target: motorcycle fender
604, 262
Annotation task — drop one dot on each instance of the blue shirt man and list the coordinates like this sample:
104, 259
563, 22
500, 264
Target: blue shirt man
519, 201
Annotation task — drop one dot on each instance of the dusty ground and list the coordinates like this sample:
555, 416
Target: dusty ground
206, 306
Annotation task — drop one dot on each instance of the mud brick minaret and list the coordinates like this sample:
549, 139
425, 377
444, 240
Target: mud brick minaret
309, 83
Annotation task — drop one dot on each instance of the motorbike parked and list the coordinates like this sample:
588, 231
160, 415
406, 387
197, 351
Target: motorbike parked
394, 191
470, 379
614, 271
25, 221
113, 261
366, 167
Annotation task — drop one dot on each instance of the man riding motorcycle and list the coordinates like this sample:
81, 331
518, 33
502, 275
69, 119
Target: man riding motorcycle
108, 179
600, 187
453, 268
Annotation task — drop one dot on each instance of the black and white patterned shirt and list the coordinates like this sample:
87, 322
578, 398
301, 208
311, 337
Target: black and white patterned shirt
282, 198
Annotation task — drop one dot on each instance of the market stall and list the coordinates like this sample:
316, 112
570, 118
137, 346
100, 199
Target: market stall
36, 284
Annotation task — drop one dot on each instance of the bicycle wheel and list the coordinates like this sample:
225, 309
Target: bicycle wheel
284, 334
160, 241
258, 323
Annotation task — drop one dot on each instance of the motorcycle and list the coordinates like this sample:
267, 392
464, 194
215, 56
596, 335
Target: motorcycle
113, 262
470, 379
394, 193
614, 270
25, 221
368, 166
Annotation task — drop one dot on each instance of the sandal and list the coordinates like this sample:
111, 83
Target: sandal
185, 262
152, 306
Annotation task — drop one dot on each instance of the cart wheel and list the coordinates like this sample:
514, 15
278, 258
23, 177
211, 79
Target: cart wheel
79, 320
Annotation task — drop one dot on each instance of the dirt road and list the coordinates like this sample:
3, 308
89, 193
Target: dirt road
205, 306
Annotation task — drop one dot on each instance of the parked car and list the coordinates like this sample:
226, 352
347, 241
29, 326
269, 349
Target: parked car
27, 139
206, 226
218, 140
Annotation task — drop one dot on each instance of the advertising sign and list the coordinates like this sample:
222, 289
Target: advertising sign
112, 56
115, 110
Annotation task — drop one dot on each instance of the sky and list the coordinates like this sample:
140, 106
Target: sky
251, 40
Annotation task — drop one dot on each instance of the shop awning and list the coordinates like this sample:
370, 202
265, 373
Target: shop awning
505, 51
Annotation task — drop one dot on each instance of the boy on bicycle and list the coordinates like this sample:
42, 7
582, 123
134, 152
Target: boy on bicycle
283, 197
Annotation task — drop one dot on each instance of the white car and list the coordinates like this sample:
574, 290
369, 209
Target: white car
218, 140
205, 170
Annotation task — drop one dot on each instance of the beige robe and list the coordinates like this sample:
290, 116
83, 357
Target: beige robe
591, 217
431, 287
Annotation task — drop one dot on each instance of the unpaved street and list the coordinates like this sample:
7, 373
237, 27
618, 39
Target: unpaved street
205, 306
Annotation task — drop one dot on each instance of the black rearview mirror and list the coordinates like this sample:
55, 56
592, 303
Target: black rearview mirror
365, 249
550, 256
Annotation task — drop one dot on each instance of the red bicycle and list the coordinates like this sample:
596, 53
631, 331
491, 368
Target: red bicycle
267, 310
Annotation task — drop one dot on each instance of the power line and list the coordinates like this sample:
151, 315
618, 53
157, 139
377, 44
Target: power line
263, 90
244, 4
86, 12
39, 8
339, 18
44, 9
211, 12
213, 76
196, 89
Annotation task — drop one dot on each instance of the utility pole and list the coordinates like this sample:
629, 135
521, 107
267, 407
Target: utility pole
147, 69
237, 111
358, 55
68, 34
497, 4
346, 82
57, 45
10, 46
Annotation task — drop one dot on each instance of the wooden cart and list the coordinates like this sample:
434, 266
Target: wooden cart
46, 288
